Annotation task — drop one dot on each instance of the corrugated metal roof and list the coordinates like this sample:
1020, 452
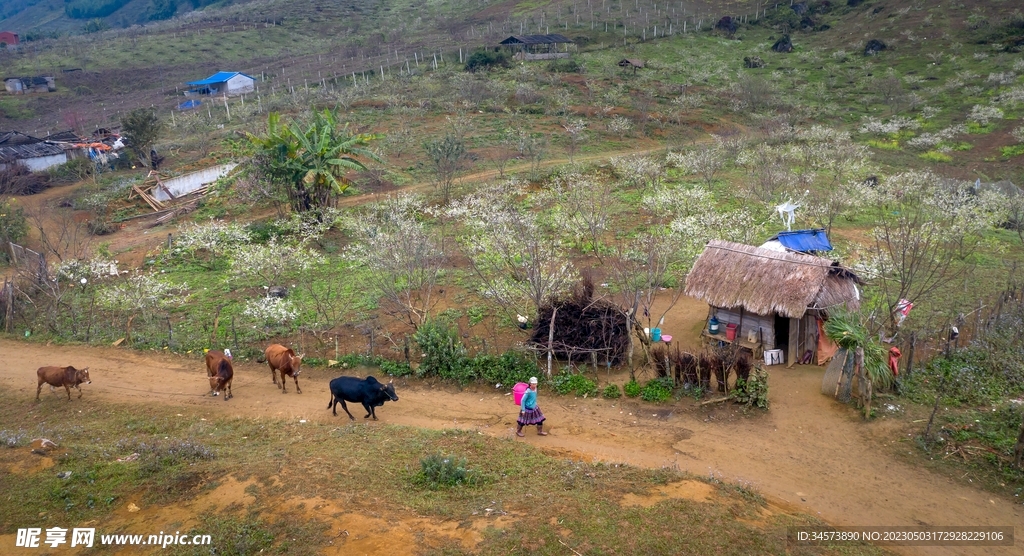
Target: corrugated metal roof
804, 241
536, 39
8, 138
14, 153
219, 77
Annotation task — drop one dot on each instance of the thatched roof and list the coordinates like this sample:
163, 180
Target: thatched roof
733, 275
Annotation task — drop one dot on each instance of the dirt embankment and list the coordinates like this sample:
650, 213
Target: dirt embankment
808, 453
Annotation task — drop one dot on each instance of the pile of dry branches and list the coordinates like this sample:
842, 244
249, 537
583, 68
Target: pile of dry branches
585, 329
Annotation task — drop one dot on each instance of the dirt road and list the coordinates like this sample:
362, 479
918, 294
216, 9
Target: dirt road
807, 453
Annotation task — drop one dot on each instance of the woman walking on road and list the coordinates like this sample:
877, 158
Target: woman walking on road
529, 411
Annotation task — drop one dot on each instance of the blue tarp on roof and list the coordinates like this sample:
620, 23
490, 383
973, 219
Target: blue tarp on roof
805, 240
189, 104
219, 77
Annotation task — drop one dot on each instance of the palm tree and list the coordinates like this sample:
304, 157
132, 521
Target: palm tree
310, 159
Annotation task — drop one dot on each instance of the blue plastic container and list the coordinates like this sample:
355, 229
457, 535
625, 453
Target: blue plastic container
655, 334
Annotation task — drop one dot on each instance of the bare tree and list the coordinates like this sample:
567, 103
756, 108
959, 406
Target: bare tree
925, 231
769, 167
403, 257
640, 270
447, 156
575, 131
61, 234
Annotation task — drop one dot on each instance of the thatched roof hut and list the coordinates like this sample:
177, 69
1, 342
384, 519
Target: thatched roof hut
770, 296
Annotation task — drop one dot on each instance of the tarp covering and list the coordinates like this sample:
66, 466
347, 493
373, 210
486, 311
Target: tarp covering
804, 241
189, 104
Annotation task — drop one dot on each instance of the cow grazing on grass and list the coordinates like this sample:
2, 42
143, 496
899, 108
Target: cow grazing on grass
221, 382
213, 358
284, 360
68, 377
368, 391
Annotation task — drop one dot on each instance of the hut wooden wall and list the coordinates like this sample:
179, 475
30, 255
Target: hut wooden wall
766, 323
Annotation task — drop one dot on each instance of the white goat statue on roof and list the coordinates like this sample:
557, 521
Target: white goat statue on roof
787, 211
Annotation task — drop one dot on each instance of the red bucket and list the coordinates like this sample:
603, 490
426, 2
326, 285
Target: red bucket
518, 390
730, 331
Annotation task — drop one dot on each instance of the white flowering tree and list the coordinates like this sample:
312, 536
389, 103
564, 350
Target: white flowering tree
518, 264
583, 206
770, 170
269, 311
925, 230
138, 295
202, 243
831, 166
269, 263
403, 256
705, 160
575, 131
638, 171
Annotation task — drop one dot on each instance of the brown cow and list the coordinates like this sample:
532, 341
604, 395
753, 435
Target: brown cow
222, 381
213, 359
284, 359
68, 377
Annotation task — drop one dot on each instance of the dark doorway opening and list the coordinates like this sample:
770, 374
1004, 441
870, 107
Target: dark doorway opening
781, 332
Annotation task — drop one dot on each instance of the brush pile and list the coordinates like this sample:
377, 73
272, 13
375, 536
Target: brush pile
17, 179
586, 329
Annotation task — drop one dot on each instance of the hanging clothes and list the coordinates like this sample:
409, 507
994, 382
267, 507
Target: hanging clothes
826, 348
894, 360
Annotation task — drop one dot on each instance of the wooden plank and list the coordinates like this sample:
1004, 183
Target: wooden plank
794, 340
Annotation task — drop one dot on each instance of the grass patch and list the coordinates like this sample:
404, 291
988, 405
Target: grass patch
585, 497
884, 144
1012, 150
936, 156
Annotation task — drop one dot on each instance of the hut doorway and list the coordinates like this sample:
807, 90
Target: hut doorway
781, 326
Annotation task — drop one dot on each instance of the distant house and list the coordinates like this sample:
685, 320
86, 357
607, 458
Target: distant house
36, 154
537, 47
228, 83
8, 38
634, 63
22, 85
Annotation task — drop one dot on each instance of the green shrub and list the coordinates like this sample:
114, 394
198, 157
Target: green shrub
486, 59
262, 232
1013, 150
393, 368
657, 390
568, 382
936, 156
74, 170
444, 355
979, 129
13, 225
437, 471
508, 368
631, 388
565, 65
754, 390
969, 378
612, 391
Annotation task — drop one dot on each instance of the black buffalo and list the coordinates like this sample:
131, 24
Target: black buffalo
368, 392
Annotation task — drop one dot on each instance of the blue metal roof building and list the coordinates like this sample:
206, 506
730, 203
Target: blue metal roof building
228, 83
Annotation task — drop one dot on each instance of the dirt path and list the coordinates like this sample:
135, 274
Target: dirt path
807, 453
